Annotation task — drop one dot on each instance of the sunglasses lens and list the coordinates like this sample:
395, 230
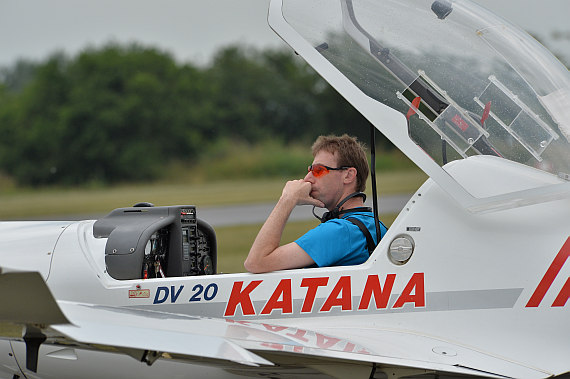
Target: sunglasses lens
318, 170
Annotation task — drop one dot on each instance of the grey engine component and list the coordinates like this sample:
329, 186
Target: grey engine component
150, 242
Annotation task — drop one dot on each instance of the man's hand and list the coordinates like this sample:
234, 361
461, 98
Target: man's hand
265, 253
299, 192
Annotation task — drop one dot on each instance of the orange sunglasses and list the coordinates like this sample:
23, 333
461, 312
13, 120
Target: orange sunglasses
319, 170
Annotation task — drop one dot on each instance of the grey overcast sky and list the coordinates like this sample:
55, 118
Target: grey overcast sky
193, 30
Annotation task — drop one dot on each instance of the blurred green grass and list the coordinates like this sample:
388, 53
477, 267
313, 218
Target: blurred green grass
10, 330
27, 203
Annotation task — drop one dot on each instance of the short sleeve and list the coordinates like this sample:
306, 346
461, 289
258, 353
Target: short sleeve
327, 244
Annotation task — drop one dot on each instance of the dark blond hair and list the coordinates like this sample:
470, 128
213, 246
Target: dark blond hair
349, 152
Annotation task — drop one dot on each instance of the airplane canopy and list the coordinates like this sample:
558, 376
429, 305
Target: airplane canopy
465, 83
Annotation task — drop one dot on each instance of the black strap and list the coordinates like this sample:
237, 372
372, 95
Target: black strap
370, 244
336, 212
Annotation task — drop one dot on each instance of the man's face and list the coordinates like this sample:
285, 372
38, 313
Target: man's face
329, 187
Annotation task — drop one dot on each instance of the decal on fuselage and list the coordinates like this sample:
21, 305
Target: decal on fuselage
339, 297
139, 294
548, 279
199, 293
262, 297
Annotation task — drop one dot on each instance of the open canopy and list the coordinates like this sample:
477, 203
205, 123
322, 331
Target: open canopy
464, 81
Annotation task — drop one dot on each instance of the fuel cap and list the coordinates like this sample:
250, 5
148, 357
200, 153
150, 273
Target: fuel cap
401, 249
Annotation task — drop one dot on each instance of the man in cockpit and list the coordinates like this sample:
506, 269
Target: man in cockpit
347, 235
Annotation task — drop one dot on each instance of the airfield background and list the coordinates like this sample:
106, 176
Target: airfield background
125, 113
166, 93
131, 113
91, 119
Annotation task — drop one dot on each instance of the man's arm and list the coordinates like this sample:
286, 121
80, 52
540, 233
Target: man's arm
266, 254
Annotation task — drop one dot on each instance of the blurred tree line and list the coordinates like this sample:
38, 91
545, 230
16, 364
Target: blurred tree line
120, 113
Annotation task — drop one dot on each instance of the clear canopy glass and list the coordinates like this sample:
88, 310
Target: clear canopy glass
459, 73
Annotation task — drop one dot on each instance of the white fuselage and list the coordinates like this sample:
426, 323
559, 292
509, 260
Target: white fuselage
465, 294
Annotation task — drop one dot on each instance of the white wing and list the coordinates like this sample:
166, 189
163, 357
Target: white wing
252, 348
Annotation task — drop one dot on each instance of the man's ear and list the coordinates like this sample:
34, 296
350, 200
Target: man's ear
350, 175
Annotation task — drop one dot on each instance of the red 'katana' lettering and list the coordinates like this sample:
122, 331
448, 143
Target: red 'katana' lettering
415, 284
373, 288
242, 298
312, 285
340, 296
283, 292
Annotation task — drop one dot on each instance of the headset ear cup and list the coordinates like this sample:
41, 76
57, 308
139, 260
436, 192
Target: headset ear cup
330, 215
321, 218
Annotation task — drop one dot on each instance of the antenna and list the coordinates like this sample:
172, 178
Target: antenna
373, 178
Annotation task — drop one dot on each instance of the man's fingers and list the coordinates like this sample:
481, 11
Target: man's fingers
300, 190
311, 201
317, 203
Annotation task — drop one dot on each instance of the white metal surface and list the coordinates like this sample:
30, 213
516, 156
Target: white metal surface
40, 240
484, 293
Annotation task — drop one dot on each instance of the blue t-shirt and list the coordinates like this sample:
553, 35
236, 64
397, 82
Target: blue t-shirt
338, 242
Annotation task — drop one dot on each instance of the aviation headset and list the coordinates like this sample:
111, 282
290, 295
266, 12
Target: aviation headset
337, 212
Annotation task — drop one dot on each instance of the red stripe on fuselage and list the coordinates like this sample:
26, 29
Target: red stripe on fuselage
550, 275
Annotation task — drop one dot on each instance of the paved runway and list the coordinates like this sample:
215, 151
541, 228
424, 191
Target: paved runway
249, 213
257, 213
